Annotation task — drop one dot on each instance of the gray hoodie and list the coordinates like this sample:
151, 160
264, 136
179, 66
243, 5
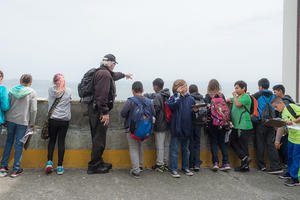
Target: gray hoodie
63, 109
23, 106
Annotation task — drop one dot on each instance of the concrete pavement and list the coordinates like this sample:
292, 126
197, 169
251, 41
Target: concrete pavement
33, 184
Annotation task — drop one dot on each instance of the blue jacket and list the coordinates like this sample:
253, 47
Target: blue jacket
183, 114
4, 103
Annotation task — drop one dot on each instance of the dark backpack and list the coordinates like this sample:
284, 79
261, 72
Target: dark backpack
201, 115
140, 121
86, 86
268, 112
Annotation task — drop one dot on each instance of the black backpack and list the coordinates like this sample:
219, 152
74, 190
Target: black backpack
86, 86
268, 111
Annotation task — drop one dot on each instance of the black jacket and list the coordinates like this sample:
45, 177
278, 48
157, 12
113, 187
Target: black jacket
159, 98
198, 99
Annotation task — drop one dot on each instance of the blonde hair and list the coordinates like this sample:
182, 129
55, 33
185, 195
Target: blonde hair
213, 87
178, 83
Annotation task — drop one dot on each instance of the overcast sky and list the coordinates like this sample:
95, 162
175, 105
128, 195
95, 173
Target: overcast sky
190, 39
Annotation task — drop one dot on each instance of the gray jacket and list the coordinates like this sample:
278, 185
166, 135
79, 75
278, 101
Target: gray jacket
63, 109
23, 106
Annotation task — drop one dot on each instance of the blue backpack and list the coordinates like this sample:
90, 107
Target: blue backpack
140, 121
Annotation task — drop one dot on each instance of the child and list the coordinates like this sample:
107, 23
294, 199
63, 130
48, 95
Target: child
135, 145
4, 101
264, 135
198, 123
216, 133
161, 127
20, 117
181, 127
291, 114
242, 124
282, 144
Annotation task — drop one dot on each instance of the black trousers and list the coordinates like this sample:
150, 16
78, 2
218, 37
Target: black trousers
265, 138
98, 132
239, 142
57, 130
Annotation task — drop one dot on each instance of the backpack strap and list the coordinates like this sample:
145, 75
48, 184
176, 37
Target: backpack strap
292, 112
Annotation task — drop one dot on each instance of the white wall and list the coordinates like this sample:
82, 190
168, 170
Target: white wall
289, 47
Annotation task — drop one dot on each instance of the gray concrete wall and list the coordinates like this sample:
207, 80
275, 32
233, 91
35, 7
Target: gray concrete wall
78, 136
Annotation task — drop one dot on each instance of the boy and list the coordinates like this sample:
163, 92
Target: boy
282, 144
161, 127
181, 126
135, 146
198, 123
242, 125
291, 114
264, 135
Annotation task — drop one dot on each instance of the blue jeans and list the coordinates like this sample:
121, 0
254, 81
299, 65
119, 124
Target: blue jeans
174, 152
195, 147
0, 129
13, 131
217, 138
293, 160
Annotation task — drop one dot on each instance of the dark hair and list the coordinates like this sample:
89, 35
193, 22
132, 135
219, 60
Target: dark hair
193, 89
264, 83
276, 100
137, 86
241, 84
279, 87
1, 74
159, 83
26, 78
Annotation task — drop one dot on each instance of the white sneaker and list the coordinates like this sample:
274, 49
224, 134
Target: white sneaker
188, 172
175, 174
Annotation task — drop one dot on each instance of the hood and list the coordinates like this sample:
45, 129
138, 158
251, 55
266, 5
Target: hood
20, 91
165, 93
289, 98
197, 96
267, 93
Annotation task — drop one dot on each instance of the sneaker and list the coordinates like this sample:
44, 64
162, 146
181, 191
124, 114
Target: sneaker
175, 174
141, 169
240, 169
215, 166
246, 162
196, 169
292, 182
188, 172
274, 171
60, 170
16, 173
225, 167
135, 174
166, 168
263, 169
107, 165
49, 167
4, 169
285, 176
158, 168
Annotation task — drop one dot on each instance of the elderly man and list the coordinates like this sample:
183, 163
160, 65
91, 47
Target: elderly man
98, 111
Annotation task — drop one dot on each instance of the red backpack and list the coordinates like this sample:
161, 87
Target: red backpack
168, 112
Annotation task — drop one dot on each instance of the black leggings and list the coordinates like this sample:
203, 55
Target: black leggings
57, 129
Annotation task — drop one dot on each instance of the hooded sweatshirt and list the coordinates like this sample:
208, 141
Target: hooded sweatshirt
159, 98
63, 109
183, 114
287, 99
23, 106
4, 103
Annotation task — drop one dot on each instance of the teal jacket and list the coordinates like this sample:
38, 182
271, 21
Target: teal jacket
4, 103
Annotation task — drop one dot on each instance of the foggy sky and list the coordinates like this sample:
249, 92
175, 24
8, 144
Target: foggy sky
191, 39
